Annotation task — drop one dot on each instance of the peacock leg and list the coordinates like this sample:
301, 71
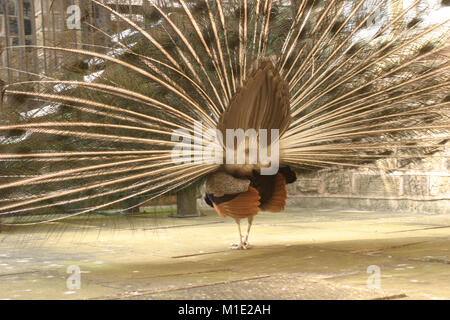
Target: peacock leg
240, 245
249, 226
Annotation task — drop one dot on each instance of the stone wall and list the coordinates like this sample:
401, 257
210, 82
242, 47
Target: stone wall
421, 186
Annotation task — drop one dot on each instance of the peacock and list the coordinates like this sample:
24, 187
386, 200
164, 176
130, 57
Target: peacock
238, 96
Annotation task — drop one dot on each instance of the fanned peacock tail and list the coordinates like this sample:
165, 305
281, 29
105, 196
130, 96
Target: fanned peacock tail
368, 85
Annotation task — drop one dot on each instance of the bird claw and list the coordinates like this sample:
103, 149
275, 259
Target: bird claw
240, 246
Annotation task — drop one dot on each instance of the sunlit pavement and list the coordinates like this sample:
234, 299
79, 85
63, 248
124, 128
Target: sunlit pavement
298, 254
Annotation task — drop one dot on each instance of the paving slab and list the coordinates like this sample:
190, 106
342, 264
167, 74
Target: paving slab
297, 254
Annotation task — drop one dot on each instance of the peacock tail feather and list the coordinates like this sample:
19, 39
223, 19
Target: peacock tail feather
357, 84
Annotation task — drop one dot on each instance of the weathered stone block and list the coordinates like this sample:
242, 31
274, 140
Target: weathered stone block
309, 185
291, 189
187, 202
415, 186
338, 183
439, 186
376, 185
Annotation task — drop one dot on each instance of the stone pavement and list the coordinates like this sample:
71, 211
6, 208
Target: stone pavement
298, 254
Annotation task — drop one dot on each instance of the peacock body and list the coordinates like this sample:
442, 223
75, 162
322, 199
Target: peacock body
343, 84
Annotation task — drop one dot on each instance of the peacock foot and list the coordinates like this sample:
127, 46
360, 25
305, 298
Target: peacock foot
240, 246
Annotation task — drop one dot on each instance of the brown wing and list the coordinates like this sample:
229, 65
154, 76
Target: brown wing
278, 200
261, 103
243, 206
